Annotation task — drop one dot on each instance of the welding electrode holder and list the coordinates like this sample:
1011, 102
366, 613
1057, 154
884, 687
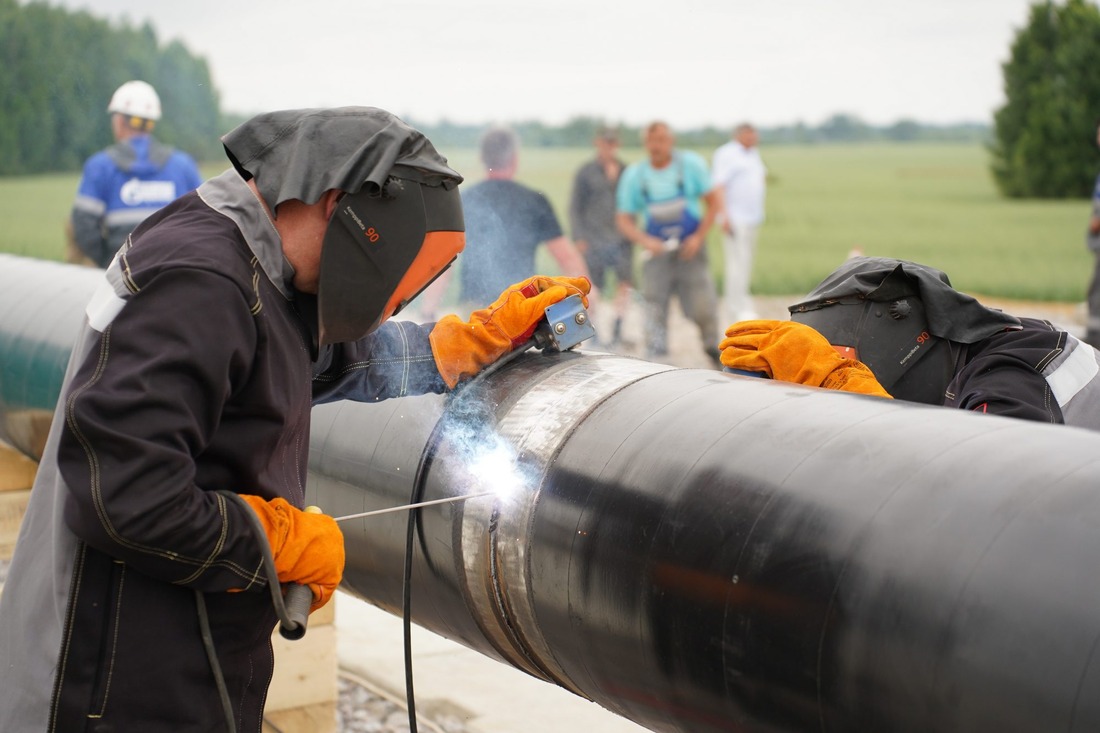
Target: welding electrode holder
297, 599
292, 609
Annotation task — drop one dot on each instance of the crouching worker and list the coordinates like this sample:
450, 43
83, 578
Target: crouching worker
897, 329
136, 599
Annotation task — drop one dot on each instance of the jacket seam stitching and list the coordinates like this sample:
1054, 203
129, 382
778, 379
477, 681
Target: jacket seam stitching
74, 591
114, 644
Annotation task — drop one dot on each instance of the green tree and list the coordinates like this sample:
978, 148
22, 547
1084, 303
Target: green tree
1044, 143
58, 70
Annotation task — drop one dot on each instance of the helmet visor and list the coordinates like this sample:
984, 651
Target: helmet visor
380, 250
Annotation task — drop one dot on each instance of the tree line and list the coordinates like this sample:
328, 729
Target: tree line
840, 128
58, 69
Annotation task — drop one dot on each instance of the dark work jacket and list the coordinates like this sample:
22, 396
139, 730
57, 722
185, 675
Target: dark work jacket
195, 373
1037, 373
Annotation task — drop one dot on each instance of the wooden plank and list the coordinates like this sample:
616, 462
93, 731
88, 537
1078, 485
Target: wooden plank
16, 470
13, 505
318, 718
305, 670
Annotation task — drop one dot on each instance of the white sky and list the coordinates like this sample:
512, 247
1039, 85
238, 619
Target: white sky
691, 62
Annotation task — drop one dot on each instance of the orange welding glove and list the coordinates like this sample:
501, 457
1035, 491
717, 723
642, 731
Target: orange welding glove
794, 352
463, 348
308, 548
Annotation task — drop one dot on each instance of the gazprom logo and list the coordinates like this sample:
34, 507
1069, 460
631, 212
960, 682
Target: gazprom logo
136, 192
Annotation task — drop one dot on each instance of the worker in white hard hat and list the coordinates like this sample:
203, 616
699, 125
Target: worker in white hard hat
126, 182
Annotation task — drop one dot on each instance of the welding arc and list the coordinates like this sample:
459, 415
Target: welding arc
405, 507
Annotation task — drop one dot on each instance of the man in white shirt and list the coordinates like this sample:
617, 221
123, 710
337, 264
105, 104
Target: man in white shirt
739, 173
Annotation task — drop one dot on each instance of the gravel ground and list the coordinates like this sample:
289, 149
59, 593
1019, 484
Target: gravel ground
361, 708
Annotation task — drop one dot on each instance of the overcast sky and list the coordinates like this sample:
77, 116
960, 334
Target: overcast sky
691, 62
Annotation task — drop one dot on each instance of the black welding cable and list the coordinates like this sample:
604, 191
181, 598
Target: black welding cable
419, 481
215, 667
411, 528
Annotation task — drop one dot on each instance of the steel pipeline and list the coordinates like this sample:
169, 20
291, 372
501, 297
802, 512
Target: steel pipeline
41, 310
703, 552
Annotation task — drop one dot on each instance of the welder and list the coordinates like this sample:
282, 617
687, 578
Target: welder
898, 329
137, 598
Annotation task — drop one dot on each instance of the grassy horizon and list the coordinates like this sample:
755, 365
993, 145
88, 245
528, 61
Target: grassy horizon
931, 203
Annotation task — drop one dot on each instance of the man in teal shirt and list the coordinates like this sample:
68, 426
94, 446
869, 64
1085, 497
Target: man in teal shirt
671, 190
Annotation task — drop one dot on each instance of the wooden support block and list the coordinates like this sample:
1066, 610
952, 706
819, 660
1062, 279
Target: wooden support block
305, 670
319, 718
13, 505
16, 470
325, 615
29, 429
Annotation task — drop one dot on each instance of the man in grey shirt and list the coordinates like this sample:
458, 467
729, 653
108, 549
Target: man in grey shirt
592, 219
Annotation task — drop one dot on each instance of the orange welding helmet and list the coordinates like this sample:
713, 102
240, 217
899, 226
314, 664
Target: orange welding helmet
383, 246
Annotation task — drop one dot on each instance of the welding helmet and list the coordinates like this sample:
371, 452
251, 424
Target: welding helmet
901, 319
397, 225
380, 250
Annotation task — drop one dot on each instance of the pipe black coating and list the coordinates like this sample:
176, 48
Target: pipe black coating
702, 552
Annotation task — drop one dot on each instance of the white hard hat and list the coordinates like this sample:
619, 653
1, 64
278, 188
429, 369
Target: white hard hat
137, 99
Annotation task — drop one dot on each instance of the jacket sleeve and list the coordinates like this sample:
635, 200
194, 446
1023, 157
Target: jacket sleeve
139, 410
394, 361
1000, 384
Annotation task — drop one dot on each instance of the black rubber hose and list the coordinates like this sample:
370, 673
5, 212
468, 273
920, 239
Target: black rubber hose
292, 624
290, 627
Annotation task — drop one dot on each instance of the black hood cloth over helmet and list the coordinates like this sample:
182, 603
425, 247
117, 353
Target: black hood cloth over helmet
398, 226
300, 154
905, 321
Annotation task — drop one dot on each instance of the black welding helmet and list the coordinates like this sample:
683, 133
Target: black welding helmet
380, 250
901, 319
398, 224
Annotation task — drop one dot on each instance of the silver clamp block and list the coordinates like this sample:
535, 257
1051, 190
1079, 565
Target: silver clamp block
566, 325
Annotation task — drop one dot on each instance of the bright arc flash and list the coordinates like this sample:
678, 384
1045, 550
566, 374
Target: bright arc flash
496, 471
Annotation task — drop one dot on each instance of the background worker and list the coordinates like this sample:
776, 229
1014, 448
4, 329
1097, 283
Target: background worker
893, 328
185, 414
671, 191
128, 181
741, 177
1092, 239
506, 222
592, 221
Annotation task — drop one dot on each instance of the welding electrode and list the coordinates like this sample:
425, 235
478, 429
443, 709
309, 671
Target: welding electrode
405, 507
298, 598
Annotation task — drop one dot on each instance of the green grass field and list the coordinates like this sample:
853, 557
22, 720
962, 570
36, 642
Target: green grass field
934, 204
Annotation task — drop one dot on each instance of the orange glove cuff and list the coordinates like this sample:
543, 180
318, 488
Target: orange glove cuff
463, 348
308, 548
855, 376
